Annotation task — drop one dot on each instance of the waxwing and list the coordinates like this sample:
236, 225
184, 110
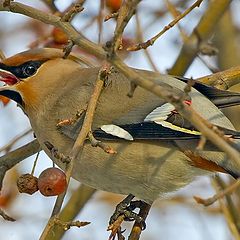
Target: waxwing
155, 146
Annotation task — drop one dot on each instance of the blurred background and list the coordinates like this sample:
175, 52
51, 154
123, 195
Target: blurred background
179, 217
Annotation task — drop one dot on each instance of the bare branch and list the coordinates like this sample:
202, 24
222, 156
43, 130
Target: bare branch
77, 147
125, 13
224, 79
205, 28
56, 21
151, 41
68, 225
186, 111
69, 15
11, 159
9, 145
75, 204
230, 189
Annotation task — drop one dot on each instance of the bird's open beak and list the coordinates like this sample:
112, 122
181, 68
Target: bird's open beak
10, 92
8, 77
9, 89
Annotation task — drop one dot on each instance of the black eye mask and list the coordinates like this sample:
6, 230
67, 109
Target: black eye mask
24, 70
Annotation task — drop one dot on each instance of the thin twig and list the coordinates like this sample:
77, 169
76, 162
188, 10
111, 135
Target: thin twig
48, 18
77, 8
35, 163
205, 28
97, 143
75, 204
230, 204
125, 13
229, 190
175, 13
151, 41
140, 39
56, 154
10, 144
69, 224
100, 20
77, 147
12, 158
212, 68
227, 213
186, 111
110, 16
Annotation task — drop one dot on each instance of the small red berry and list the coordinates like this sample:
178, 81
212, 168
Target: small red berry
52, 182
59, 36
27, 183
113, 5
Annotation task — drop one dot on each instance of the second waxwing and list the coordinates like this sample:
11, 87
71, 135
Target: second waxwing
155, 146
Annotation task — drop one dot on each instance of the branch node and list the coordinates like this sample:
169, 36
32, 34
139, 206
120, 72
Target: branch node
77, 8
68, 48
67, 225
96, 143
56, 154
133, 87
7, 3
209, 201
110, 16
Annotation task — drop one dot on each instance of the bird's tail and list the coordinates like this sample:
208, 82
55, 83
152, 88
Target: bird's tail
221, 98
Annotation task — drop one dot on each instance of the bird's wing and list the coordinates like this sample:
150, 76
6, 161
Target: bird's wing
163, 123
221, 98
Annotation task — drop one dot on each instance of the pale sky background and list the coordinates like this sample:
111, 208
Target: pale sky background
164, 222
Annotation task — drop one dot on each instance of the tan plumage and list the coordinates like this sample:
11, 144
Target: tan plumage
146, 168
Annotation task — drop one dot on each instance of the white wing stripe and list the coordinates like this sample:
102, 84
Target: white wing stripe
117, 131
160, 113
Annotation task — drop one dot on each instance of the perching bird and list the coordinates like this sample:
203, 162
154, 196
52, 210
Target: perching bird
155, 145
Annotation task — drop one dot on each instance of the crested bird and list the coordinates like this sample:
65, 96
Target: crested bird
155, 146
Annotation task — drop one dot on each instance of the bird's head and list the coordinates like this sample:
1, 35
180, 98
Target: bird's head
30, 76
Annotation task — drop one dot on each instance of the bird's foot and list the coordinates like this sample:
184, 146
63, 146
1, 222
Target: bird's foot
125, 212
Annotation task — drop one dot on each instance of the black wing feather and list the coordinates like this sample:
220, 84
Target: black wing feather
221, 98
146, 131
154, 131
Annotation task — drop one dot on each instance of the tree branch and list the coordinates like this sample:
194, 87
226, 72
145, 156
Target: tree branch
12, 158
203, 31
75, 204
152, 40
224, 79
77, 147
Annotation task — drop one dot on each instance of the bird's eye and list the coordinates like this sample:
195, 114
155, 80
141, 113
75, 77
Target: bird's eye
29, 70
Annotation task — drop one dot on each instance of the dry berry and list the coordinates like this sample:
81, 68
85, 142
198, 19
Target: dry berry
27, 183
52, 182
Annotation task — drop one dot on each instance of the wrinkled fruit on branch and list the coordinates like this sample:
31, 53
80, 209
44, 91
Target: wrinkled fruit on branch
52, 182
27, 183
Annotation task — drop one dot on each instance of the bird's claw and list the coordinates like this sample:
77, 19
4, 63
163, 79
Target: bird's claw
125, 210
